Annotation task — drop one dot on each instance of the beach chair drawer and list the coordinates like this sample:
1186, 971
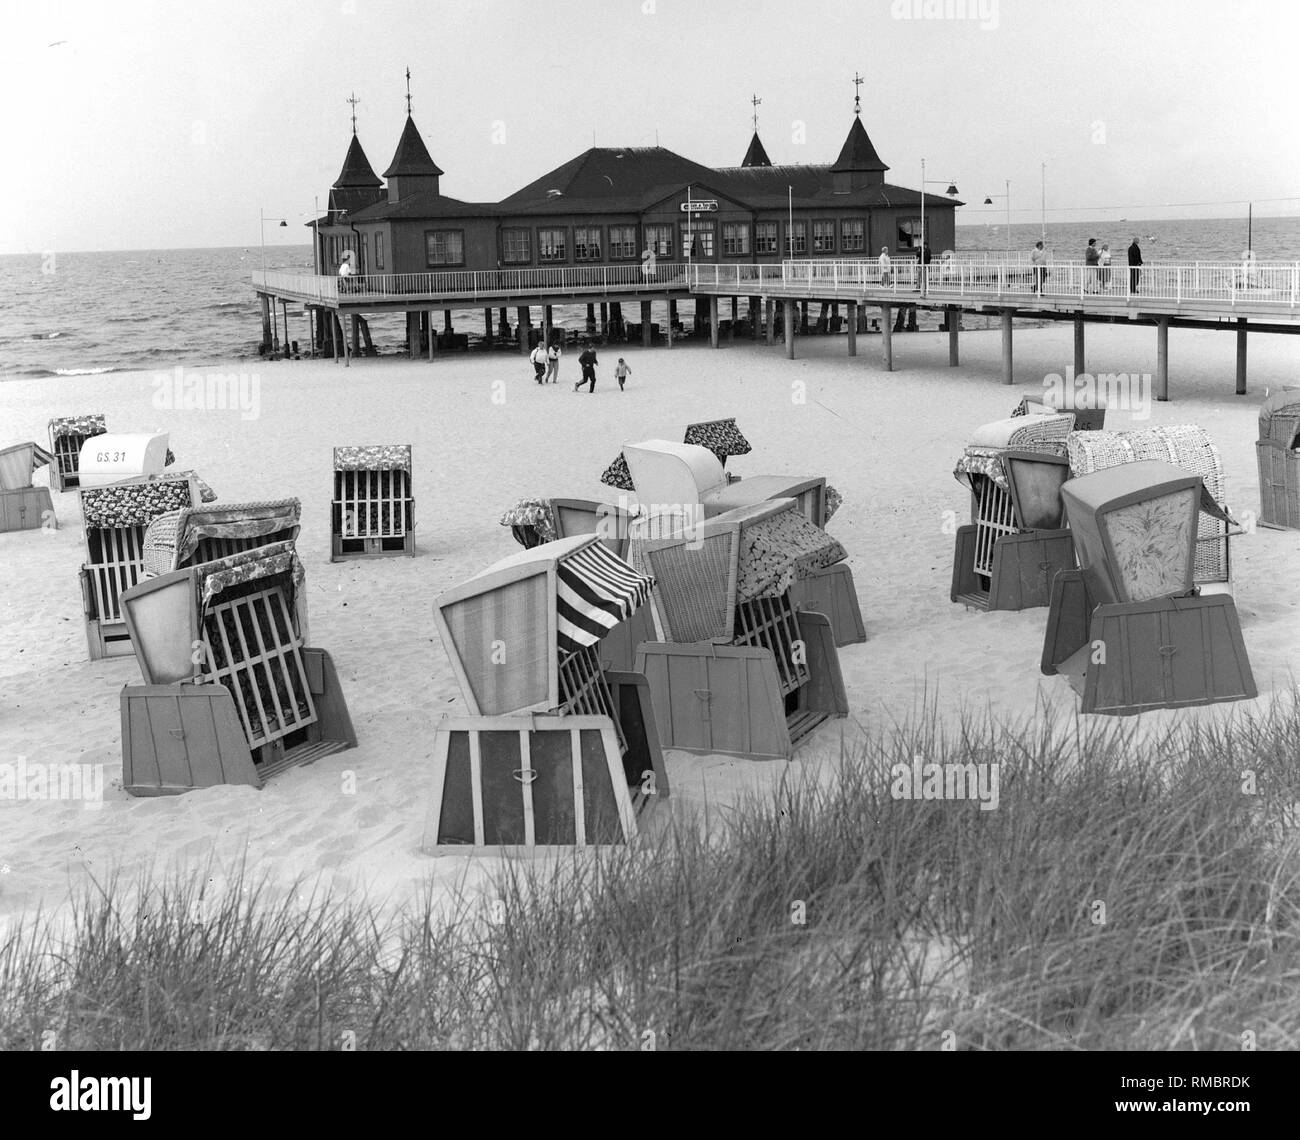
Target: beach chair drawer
526, 782
26, 509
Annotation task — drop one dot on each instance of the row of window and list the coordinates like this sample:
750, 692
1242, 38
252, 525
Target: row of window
687, 239
338, 244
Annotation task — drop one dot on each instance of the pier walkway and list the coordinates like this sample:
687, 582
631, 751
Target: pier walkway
1223, 295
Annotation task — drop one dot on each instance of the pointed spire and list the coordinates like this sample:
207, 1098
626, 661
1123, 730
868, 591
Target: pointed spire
858, 154
756, 155
412, 157
357, 171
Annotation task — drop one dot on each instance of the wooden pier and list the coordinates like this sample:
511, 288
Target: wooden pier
1225, 296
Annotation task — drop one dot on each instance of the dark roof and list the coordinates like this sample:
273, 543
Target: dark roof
603, 176
755, 155
357, 170
858, 154
353, 198
426, 204
412, 155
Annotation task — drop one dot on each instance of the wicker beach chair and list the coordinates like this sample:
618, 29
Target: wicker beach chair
116, 518
523, 638
232, 692
67, 435
741, 669
1184, 445
1086, 417
22, 506
536, 521
1278, 454
1006, 558
1129, 629
722, 437
373, 510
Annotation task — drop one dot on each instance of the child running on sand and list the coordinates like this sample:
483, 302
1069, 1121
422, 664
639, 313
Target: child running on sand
621, 372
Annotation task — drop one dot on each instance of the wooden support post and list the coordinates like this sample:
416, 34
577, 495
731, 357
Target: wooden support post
853, 328
503, 330
413, 320
735, 316
604, 320
672, 319
487, 325
1241, 356
954, 325
756, 318
347, 343
1079, 368
433, 340
591, 320
266, 322
713, 319
646, 315
1162, 358
803, 318
523, 329
769, 320
356, 336
446, 320
1008, 376
886, 338
546, 326
787, 317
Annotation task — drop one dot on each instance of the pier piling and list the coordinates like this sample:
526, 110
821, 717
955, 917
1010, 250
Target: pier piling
886, 339
1162, 358
1008, 376
1241, 356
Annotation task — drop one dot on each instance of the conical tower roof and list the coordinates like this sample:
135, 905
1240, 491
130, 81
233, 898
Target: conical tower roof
858, 154
756, 155
357, 171
412, 157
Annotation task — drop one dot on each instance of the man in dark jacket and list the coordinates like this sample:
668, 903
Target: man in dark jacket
1134, 266
588, 361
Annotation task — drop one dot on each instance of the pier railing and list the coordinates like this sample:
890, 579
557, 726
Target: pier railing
471, 285
1230, 283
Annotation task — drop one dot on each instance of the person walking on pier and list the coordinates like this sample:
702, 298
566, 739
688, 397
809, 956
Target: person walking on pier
883, 262
621, 372
1134, 266
538, 358
1039, 260
1091, 258
588, 361
553, 364
1103, 262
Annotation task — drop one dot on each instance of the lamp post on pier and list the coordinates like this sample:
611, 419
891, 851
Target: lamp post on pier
989, 201
263, 219
952, 193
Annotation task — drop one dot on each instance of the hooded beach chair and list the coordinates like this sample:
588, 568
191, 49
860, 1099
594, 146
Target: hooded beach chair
1129, 629
67, 436
22, 506
232, 693
556, 751
116, 517
722, 437
373, 511
1278, 453
1008, 555
1183, 445
740, 669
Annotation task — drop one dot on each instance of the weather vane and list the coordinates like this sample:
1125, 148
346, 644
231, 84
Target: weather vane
857, 93
354, 101
408, 91
756, 101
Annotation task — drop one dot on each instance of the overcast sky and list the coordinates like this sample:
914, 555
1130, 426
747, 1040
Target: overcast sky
170, 124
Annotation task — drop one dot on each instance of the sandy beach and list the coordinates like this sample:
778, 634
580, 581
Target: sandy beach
485, 435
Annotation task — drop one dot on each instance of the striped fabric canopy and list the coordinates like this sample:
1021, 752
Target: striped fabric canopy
596, 591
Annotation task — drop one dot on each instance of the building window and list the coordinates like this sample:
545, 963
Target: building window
796, 239
551, 245
444, 247
586, 243
824, 237
697, 240
622, 243
516, 247
735, 238
909, 234
853, 235
659, 240
379, 253
765, 237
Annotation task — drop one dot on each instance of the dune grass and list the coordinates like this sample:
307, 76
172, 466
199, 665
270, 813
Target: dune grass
1126, 893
